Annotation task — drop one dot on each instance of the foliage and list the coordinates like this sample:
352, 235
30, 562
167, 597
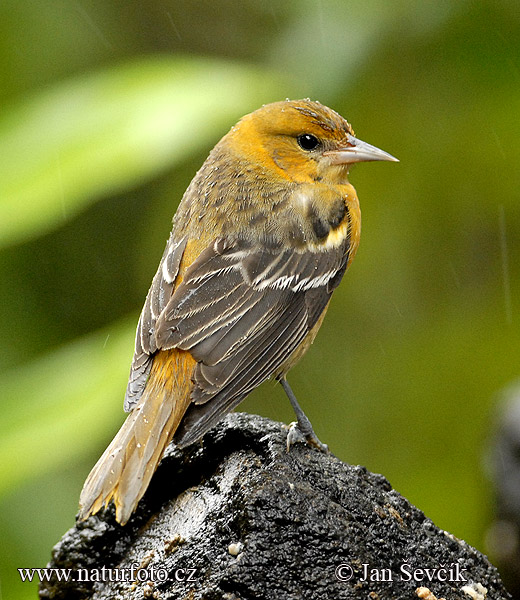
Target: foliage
106, 117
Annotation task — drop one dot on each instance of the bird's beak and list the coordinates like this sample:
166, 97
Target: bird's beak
357, 151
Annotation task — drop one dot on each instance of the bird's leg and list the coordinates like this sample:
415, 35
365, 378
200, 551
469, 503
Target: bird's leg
303, 428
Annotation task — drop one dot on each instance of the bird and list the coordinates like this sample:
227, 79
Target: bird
261, 238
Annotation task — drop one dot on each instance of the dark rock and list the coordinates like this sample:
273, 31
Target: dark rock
238, 517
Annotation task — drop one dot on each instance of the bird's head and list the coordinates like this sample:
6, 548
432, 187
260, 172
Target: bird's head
303, 141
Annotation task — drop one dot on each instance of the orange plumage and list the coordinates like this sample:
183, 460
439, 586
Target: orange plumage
261, 238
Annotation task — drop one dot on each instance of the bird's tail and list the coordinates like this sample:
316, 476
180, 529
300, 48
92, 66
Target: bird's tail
123, 472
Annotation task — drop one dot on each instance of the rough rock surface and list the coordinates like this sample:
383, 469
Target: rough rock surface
237, 517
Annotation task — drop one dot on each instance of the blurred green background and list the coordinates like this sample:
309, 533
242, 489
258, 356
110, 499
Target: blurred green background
109, 108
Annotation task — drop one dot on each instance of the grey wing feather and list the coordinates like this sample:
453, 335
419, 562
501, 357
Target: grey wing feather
158, 297
241, 327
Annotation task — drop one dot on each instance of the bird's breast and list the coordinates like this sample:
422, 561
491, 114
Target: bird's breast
324, 217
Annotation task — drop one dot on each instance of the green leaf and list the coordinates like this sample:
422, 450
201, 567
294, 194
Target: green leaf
102, 133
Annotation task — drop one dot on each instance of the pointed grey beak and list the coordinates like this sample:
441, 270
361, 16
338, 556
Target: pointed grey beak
357, 151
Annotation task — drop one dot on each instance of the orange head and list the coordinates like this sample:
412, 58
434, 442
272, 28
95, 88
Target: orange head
280, 175
302, 140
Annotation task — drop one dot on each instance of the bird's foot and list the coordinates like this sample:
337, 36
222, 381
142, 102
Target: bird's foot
301, 430
302, 434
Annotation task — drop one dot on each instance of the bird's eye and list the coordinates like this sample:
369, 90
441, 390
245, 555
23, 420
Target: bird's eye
307, 141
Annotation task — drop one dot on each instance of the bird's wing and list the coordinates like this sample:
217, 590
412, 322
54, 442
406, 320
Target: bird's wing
241, 310
158, 297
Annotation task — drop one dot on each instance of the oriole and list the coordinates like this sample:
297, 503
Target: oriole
262, 237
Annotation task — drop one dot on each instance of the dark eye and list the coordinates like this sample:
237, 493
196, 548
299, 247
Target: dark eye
307, 141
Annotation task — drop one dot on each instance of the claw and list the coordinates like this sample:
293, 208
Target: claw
296, 435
